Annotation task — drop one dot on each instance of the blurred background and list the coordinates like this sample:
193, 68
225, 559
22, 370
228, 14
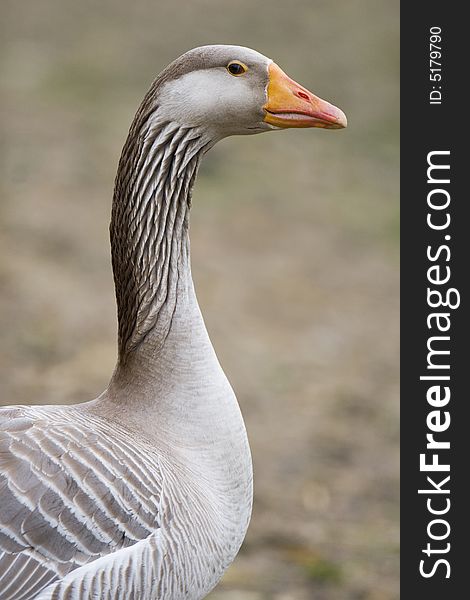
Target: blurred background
295, 259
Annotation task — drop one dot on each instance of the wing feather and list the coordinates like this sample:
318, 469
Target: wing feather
71, 493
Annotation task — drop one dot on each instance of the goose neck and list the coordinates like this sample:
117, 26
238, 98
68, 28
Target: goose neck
149, 232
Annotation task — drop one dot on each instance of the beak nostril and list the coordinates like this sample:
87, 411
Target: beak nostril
303, 95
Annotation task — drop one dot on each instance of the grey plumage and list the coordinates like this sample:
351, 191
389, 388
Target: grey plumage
146, 491
87, 506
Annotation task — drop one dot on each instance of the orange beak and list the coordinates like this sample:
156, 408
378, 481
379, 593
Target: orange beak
291, 105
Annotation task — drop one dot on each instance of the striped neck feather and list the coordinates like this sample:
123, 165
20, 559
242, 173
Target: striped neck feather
149, 226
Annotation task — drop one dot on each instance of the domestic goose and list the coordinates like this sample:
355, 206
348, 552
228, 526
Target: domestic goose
145, 493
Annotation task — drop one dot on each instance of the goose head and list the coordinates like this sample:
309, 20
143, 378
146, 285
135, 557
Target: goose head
233, 90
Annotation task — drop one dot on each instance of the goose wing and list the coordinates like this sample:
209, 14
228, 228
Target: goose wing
71, 493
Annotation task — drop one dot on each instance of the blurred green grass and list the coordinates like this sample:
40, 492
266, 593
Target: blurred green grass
295, 257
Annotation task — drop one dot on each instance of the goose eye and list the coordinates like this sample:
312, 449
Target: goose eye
236, 68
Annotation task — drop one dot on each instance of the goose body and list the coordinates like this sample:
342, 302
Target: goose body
146, 491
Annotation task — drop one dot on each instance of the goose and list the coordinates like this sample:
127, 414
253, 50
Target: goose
146, 492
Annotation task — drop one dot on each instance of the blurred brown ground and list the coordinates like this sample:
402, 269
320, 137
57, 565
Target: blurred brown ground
294, 241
